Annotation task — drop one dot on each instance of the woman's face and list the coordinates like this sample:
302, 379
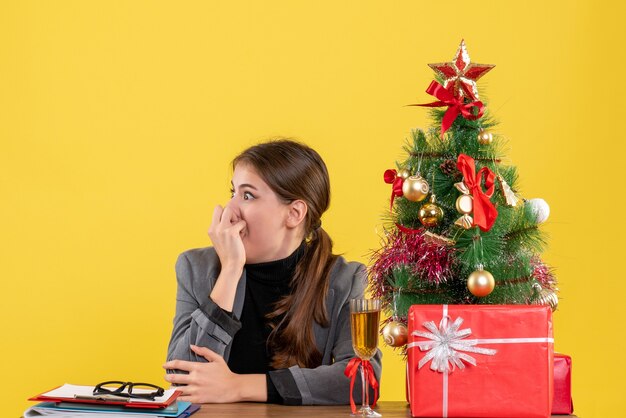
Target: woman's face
268, 235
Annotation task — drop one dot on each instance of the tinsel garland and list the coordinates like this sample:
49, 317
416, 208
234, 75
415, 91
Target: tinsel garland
430, 262
543, 274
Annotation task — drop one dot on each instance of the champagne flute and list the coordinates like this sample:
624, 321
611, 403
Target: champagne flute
364, 321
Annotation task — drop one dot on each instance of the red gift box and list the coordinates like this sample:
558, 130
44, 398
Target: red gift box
562, 403
480, 361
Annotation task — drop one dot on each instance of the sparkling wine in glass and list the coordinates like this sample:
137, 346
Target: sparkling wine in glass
364, 322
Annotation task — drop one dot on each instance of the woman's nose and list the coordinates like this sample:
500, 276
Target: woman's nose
234, 208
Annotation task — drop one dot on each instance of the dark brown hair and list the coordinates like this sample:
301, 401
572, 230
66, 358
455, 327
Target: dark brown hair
296, 172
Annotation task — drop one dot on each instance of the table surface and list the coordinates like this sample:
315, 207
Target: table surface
249, 410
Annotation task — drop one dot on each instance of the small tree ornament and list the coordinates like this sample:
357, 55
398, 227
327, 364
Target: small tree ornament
437, 239
395, 333
404, 173
545, 297
415, 188
480, 282
448, 167
430, 214
509, 194
541, 209
484, 137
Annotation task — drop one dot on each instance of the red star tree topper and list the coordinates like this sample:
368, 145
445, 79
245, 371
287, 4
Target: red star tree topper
460, 75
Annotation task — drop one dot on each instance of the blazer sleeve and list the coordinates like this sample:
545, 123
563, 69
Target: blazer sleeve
327, 384
198, 320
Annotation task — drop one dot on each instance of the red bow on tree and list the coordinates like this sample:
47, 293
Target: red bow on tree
455, 105
485, 212
368, 371
391, 177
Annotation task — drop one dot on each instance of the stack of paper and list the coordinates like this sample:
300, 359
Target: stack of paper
73, 401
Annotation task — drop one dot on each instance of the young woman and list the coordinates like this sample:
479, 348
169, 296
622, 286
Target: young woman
263, 315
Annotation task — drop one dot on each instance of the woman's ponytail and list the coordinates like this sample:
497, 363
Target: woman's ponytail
292, 338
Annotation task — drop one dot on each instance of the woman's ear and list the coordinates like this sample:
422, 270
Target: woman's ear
296, 214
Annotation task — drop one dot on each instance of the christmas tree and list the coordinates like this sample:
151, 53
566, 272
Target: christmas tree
459, 231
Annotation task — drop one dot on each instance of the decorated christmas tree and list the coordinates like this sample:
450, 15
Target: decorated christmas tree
458, 231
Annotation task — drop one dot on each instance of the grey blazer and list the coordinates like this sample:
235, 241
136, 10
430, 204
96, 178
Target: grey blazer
200, 321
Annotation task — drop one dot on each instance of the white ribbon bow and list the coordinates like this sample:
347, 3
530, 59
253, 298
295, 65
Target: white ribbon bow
446, 345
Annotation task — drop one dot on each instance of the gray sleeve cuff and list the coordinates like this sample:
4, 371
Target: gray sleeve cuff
272, 394
220, 317
286, 386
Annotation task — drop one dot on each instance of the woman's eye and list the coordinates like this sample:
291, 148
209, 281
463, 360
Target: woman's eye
246, 195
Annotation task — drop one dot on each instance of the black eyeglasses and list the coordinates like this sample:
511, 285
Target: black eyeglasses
117, 388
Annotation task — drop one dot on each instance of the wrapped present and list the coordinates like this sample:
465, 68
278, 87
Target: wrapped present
480, 361
562, 404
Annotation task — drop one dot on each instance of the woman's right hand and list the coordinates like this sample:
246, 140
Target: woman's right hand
225, 233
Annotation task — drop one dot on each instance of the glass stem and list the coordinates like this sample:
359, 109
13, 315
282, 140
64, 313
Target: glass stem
364, 400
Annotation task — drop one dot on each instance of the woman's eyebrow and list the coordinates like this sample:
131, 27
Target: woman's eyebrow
245, 185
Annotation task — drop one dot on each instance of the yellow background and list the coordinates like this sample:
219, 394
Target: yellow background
118, 121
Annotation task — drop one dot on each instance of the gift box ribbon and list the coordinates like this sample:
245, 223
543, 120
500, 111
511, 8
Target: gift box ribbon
448, 348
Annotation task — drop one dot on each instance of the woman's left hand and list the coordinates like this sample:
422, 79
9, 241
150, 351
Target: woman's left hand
211, 382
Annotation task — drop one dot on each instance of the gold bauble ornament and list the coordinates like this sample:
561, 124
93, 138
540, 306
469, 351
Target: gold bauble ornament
404, 173
430, 214
465, 204
545, 297
415, 188
485, 137
480, 283
395, 334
